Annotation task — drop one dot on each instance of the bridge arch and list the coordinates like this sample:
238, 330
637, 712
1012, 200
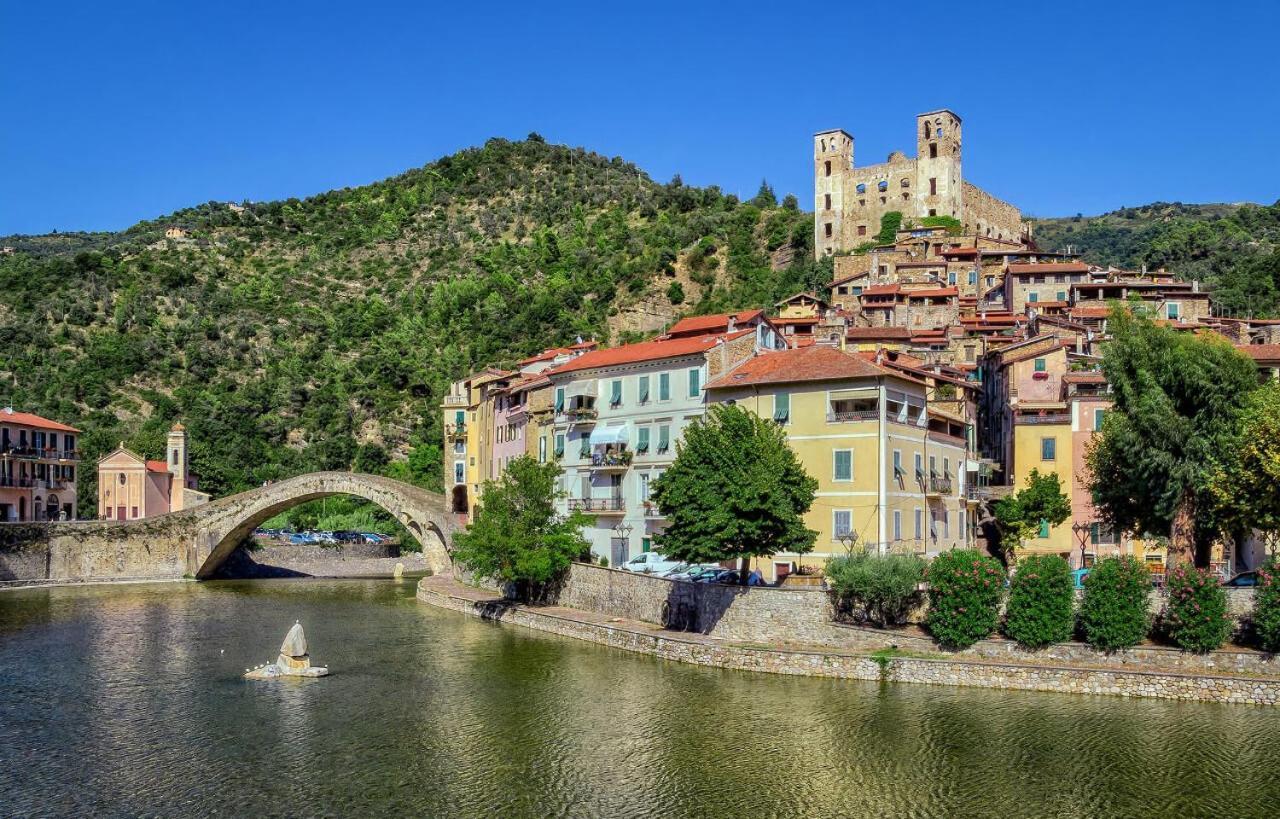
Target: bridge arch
223, 524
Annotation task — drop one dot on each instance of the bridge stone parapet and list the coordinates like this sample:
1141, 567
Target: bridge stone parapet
195, 542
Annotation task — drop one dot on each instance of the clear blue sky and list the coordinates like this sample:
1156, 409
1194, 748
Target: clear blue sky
114, 112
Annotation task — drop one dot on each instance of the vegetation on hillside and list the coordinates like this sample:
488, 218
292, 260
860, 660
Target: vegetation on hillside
321, 333
1233, 248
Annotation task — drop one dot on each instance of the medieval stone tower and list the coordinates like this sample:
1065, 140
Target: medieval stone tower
938, 180
176, 456
832, 159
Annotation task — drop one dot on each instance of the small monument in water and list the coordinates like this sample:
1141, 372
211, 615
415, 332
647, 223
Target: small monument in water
293, 660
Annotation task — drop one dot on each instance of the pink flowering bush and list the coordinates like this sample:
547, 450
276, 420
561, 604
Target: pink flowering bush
1041, 602
1266, 606
965, 590
1113, 613
1196, 617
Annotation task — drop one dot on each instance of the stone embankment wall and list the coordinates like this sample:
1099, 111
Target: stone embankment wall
806, 616
697, 649
297, 560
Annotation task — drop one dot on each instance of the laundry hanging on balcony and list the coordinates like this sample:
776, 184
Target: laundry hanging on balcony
618, 435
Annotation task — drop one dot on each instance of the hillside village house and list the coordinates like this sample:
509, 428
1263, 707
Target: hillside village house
132, 487
890, 471
620, 412
38, 465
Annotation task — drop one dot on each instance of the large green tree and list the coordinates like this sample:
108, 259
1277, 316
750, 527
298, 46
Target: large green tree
1019, 515
1178, 398
517, 536
735, 491
1246, 484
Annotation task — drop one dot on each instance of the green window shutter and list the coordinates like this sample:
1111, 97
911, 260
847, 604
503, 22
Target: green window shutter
1093, 534
646, 544
1062, 295
559, 399
695, 386
664, 438
664, 386
559, 446
1033, 297
642, 439
782, 407
1098, 415
1048, 449
615, 392
1040, 365
643, 397
1044, 528
843, 465
460, 418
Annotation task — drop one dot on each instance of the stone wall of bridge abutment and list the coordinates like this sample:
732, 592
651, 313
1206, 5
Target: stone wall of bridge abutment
195, 542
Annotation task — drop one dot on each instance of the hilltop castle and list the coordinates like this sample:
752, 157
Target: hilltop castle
849, 201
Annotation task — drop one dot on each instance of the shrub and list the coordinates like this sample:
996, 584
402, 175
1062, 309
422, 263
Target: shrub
883, 588
965, 589
1041, 602
1195, 617
1114, 612
1266, 606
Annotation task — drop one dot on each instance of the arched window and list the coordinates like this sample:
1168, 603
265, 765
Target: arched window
928, 130
884, 185
906, 183
123, 478
862, 188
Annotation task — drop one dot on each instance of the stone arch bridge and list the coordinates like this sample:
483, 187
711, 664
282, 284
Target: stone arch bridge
195, 542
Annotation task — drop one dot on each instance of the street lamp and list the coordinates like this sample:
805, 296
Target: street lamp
623, 531
847, 539
1082, 532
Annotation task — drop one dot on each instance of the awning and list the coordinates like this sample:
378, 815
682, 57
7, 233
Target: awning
601, 436
584, 387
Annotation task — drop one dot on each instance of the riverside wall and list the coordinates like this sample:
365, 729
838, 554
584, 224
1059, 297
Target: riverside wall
701, 650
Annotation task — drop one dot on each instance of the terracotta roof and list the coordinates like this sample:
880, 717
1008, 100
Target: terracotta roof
9, 416
816, 363
937, 292
1261, 352
882, 289
1084, 378
960, 251
875, 333
546, 355
711, 324
935, 263
655, 350
1049, 267
1090, 312
585, 345
158, 466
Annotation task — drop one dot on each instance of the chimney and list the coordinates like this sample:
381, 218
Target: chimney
733, 321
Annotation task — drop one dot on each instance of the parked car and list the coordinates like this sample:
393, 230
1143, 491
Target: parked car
301, 539
712, 576
374, 537
731, 577
679, 568
650, 563
1243, 580
694, 571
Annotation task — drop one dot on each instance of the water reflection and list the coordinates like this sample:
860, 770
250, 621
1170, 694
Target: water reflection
128, 700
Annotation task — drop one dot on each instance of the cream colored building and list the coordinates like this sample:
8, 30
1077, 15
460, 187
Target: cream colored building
132, 487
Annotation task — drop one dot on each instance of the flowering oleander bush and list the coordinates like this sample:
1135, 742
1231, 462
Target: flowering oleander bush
881, 588
1114, 611
1195, 616
965, 590
1041, 602
1266, 606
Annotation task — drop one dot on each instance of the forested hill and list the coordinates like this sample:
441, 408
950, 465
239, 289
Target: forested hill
1233, 248
321, 333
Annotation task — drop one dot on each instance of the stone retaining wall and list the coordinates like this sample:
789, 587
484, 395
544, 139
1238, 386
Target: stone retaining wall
667, 645
805, 616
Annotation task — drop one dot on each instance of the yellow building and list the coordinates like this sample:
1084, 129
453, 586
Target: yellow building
890, 472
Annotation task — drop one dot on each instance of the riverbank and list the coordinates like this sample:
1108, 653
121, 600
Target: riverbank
891, 664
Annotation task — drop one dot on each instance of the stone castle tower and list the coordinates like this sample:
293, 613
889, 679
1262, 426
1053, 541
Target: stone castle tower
176, 457
850, 201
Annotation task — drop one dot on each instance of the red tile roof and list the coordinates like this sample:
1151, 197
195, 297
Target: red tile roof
1090, 312
718, 323
655, 350
933, 293
546, 355
960, 251
1261, 352
817, 363
877, 333
1084, 378
1049, 267
882, 289
28, 419
158, 466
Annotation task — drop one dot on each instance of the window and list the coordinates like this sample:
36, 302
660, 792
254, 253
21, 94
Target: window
882, 185
642, 439
664, 438
615, 393
695, 383
664, 386
841, 523
826, 201
919, 467
933, 187
897, 464
1048, 449
559, 399
542, 450
919, 523
946, 524
782, 407
1062, 295
933, 150
135, 513
843, 464
828, 168
897, 524
1098, 415
826, 230
560, 446
644, 486
973, 277
646, 544
951, 277
1172, 311
862, 188
862, 230
1044, 528
1033, 297
642, 394
1041, 364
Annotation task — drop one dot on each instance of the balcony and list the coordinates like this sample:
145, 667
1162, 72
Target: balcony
455, 400
579, 415
611, 461
938, 486
7, 482
652, 512
1045, 418
598, 506
456, 432
852, 415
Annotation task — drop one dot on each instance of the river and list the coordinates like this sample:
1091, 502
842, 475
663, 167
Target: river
128, 700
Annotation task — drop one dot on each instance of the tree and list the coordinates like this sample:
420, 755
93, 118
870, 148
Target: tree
735, 490
1178, 398
1246, 482
889, 224
765, 197
1019, 516
516, 536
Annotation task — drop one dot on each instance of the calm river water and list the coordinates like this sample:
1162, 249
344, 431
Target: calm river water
127, 700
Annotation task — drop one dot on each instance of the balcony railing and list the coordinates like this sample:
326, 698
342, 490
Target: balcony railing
455, 400
7, 482
581, 415
855, 415
456, 432
43, 454
1048, 418
611, 460
939, 485
651, 510
599, 505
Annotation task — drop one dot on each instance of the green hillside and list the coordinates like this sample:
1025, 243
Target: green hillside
320, 333
1232, 248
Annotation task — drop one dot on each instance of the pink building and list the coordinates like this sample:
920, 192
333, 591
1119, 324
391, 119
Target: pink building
510, 417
